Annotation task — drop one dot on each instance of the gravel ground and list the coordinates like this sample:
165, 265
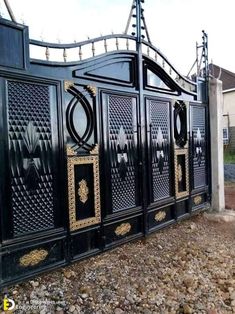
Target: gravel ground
187, 268
229, 172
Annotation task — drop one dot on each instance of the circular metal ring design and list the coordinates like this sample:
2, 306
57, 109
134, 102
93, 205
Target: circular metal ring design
180, 123
81, 140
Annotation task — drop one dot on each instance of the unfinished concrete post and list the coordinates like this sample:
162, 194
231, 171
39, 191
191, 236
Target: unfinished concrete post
217, 152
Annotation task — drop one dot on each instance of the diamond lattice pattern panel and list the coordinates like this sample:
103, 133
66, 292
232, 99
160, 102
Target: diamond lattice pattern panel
160, 120
30, 148
122, 113
199, 134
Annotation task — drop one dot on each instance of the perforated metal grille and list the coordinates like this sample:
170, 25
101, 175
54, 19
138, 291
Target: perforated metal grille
159, 118
121, 114
29, 104
199, 167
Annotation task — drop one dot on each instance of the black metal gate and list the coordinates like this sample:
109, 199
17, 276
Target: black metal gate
94, 152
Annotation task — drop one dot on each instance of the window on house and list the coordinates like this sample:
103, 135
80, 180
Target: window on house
225, 136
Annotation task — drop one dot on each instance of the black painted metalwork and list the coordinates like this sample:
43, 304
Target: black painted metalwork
198, 118
123, 154
159, 143
180, 123
30, 157
94, 152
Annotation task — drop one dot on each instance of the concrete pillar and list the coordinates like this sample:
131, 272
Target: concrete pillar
217, 151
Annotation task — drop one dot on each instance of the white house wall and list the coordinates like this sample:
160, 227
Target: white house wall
229, 110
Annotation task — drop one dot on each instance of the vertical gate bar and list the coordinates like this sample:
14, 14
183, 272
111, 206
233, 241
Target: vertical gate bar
6, 217
80, 53
142, 135
105, 45
156, 56
207, 101
65, 55
117, 43
47, 53
93, 49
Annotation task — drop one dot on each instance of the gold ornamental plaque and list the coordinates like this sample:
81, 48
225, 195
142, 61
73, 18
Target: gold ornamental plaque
33, 258
160, 216
123, 229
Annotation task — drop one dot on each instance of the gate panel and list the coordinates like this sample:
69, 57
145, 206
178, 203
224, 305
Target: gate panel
123, 216
198, 133
31, 156
122, 151
83, 162
159, 140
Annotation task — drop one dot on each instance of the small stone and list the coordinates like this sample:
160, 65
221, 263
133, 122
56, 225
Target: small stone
189, 282
15, 292
84, 295
130, 299
160, 247
193, 226
85, 290
72, 308
232, 295
58, 308
69, 274
233, 303
118, 311
187, 309
34, 283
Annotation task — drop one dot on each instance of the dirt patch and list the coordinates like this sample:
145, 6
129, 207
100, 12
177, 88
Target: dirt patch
229, 190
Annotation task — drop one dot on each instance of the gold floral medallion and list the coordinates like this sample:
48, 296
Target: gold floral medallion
83, 191
123, 229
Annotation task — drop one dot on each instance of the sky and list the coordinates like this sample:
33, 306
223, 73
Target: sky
174, 25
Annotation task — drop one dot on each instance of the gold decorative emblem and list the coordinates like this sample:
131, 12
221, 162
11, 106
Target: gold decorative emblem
160, 215
123, 229
95, 150
70, 151
72, 162
83, 191
91, 90
197, 200
68, 85
180, 173
33, 258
